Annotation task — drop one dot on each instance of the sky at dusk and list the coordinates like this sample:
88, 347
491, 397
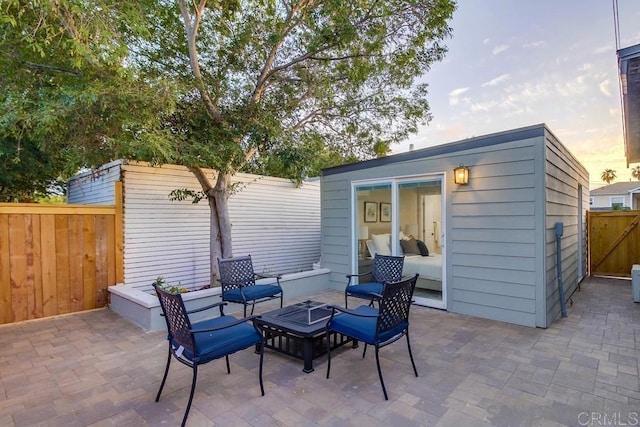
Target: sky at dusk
516, 63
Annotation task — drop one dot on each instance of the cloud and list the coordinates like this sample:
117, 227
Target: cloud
585, 67
499, 49
454, 95
534, 44
604, 49
483, 106
497, 80
604, 87
485, 41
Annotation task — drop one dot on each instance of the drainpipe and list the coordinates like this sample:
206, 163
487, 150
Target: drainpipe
559, 232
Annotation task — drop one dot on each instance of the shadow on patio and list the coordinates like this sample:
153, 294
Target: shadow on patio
95, 368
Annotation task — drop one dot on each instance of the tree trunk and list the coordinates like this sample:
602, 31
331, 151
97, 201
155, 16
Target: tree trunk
219, 222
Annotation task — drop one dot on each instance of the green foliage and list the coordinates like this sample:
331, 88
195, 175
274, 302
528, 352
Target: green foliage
608, 175
174, 289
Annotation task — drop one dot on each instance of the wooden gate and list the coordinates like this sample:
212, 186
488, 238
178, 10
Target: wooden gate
614, 242
57, 259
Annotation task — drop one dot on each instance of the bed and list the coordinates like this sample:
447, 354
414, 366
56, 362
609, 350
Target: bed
429, 267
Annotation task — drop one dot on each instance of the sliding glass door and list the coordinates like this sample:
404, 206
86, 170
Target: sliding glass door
403, 217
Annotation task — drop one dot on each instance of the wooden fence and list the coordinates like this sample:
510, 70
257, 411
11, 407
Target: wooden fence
57, 259
614, 242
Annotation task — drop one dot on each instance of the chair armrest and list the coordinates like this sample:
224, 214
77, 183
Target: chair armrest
349, 276
217, 304
219, 328
266, 276
348, 311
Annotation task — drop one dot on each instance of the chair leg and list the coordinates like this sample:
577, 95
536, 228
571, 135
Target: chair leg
193, 389
328, 353
253, 306
411, 354
364, 352
384, 389
228, 367
281, 296
245, 310
345, 300
166, 371
262, 343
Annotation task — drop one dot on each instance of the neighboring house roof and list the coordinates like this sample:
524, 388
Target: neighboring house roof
629, 62
617, 188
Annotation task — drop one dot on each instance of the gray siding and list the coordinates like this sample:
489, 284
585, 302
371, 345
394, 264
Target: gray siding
493, 235
564, 177
490, 233
94, 187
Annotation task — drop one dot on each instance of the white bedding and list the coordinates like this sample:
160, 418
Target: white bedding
428, 267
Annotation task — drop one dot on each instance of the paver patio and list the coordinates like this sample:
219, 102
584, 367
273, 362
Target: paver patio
97, 369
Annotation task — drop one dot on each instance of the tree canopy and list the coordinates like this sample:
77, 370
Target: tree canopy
283, 86
608, 175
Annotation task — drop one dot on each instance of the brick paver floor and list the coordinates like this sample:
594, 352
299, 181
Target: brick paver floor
96, 369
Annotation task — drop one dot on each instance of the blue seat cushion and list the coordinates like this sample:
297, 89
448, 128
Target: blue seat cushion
216, 344
365, 290
251, 293
363, 328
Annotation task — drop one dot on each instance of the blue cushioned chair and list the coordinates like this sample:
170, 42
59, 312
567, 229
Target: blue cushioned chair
377, 326
194, 344
239, 283
386, 268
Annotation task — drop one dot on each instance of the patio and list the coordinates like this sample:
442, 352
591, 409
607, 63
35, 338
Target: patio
95, 368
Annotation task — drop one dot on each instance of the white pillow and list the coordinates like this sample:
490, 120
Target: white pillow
404, 236
382, 243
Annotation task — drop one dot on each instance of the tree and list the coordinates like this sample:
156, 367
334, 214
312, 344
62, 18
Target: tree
635, 172
283, 85
608, 175
68, 99
280, 77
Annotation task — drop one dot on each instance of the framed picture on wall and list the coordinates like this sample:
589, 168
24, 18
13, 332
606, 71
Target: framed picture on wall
370, 212
385, 212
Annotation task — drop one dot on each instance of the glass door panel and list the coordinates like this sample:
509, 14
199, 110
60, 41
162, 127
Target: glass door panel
372, 223
420, 224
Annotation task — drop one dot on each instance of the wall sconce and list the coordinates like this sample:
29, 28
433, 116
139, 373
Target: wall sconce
461, 174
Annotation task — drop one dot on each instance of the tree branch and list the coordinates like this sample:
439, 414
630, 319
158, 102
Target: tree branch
191, 27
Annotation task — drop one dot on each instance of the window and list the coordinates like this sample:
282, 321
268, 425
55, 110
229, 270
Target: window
617, 202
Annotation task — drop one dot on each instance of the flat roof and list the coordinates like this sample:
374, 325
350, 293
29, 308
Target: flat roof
448, 148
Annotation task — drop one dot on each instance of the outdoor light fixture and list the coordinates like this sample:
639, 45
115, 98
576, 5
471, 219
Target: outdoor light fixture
461, 174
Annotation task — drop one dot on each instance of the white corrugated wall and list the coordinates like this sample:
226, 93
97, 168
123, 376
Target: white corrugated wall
275, 222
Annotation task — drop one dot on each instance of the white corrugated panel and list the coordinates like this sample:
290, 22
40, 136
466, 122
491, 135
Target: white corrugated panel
273, 221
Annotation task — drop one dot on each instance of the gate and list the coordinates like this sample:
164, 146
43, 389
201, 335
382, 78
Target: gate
57, 259
614, 242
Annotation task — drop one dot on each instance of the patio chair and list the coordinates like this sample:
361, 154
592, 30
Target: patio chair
239, 283
194, 344
386, 268
377, 326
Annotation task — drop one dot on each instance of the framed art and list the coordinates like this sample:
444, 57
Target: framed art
370, 212
385, 212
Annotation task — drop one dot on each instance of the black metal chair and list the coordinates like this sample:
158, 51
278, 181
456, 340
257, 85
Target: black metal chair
386, 268
239, 283
194, 344
377, 326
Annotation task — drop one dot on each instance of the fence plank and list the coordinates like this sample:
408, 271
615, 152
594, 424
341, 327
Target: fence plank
76, 262
101, 260
48, 257
63, 264
5, 273
89, 261
18, 262
34, 267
